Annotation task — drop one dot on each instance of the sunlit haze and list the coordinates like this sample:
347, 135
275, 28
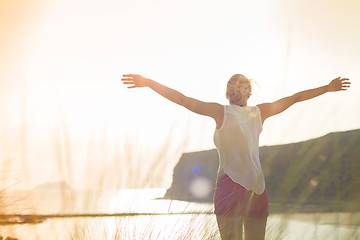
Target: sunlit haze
61, 63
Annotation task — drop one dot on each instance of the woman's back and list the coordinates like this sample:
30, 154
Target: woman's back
237, 142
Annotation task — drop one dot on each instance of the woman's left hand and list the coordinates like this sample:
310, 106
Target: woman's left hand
134, 80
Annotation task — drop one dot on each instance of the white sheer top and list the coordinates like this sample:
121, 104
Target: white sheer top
237, 142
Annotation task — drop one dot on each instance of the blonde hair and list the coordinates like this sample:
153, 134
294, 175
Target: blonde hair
238, 89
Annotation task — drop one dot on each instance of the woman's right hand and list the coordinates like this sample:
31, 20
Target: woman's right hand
134, 80
339, 84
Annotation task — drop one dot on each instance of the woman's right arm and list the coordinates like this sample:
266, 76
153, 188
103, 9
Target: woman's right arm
214, 110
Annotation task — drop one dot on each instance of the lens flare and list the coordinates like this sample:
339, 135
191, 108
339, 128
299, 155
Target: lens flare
200, 187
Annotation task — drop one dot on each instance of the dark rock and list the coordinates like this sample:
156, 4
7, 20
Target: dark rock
323, 170
194, 177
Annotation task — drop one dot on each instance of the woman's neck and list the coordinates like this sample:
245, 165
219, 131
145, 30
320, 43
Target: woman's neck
240, 105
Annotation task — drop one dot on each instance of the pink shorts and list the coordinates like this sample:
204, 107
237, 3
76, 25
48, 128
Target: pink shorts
233, 200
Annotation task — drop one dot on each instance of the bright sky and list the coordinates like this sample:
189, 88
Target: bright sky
61, 64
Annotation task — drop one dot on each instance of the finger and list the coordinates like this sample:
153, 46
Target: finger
131, 87
127, 75
126, 79
128, 82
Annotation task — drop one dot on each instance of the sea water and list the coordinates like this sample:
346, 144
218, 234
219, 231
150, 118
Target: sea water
155, 218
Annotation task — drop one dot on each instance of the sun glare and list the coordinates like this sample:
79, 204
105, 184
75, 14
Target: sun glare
76, 54
74, 139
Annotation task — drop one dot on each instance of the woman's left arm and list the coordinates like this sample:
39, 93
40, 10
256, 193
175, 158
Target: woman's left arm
210, 109
271, 109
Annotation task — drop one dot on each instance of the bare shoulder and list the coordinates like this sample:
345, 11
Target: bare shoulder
210, 109
217, 106
264, 110
217, 110
218, 113
271, 109
263, 107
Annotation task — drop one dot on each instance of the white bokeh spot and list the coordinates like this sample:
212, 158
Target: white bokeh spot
200, 187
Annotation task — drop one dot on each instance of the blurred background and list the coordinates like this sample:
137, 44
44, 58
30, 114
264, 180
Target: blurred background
66, 117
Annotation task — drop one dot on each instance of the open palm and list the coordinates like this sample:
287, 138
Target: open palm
134, 80
339, 84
